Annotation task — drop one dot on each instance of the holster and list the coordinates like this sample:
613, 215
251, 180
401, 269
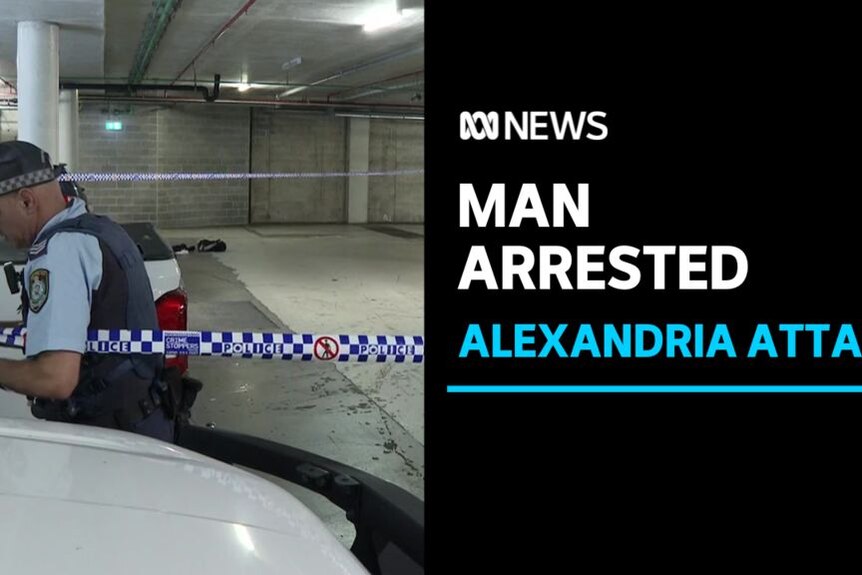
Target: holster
180, 394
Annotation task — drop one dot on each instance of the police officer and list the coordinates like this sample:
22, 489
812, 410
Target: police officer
83, 272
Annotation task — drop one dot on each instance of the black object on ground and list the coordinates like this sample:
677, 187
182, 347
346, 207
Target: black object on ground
211, 246
182, 249
201, 246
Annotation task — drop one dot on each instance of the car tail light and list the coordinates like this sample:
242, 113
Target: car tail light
172, 309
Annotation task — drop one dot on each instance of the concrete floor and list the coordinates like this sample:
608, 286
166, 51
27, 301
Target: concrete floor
334, 279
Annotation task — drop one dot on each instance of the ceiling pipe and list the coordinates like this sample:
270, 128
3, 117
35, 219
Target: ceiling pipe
373, 91
218, 35
376, 87
354, 69
307, 105
8, 84
129, 89
214, 95
157, 22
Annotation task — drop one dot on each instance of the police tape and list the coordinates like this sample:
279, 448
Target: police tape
12, 337
285, 346
182, 176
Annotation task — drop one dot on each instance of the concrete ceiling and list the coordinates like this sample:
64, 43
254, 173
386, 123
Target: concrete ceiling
82, 33
99, 40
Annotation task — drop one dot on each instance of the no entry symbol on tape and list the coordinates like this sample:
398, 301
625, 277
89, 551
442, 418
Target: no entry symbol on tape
325, 348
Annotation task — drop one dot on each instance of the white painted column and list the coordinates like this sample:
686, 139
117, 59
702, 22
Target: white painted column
39, 84
357, 186
68, 146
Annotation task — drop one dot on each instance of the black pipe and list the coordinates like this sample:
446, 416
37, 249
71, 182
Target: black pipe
129, 89
279, 104
212, 98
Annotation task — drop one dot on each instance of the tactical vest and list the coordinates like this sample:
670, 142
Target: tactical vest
113, 390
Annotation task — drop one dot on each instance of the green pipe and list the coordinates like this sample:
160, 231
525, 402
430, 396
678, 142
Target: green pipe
157, 23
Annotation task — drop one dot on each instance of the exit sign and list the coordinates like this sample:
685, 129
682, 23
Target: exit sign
114, 126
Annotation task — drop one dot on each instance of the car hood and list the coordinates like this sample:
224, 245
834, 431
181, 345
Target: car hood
76, 499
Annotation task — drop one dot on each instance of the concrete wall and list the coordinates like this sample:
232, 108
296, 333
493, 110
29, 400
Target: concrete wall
396, 145
192, 138
204, 139
133, 149
8, 125
212, 138
291, 142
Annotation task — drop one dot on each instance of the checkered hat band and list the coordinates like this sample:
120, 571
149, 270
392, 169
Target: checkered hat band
26, 180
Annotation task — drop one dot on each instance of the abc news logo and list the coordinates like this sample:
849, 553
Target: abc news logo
533, 126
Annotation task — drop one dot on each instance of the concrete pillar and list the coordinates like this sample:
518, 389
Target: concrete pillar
39, 84
357, 186
68, 146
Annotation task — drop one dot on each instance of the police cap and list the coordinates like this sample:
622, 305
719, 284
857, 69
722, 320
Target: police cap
23, 165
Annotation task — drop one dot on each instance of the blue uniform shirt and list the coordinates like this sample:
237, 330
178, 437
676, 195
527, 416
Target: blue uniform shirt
60, 278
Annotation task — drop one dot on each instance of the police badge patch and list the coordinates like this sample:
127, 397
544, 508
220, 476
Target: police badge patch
38, 292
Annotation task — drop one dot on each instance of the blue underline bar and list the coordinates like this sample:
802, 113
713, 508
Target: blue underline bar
654, 389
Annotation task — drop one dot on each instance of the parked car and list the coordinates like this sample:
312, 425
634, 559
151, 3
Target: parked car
76, 499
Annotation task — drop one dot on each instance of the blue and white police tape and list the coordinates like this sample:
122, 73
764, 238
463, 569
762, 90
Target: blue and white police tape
12, 337
286, 346
182, 176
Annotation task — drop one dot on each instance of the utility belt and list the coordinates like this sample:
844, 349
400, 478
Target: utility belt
121, 400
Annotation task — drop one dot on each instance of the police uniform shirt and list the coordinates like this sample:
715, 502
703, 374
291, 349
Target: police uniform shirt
60, 278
